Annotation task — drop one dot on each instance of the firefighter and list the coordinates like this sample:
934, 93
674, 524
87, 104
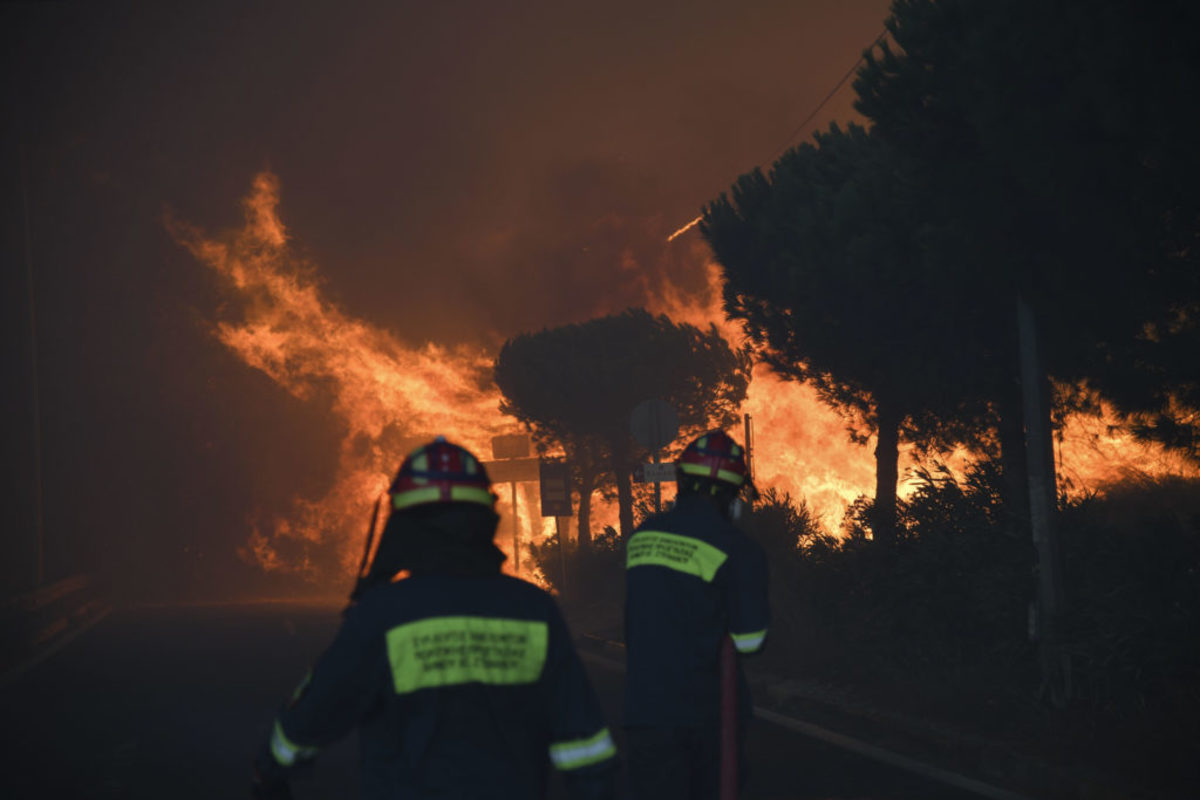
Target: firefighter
692, 578
463, 682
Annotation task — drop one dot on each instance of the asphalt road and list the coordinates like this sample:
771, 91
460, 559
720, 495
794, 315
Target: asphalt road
171, 702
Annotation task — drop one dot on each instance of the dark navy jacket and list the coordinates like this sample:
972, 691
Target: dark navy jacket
691, 577
461, 687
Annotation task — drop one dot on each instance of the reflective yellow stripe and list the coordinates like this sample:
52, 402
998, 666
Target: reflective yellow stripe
432, 494
706, 472
581, 752
427, 494
285, 751
749, 642
673, 551
447, 651
300, 689
469, 494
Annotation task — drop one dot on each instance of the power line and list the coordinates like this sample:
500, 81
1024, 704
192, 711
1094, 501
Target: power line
800, 128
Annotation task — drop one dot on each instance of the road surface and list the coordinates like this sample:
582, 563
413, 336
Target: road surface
171, 702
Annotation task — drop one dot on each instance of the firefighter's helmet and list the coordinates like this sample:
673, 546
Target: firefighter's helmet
714, 457
440, 472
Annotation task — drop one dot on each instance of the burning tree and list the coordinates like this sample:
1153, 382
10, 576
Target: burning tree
821, 264
1060, 155
578, 384
1021, 150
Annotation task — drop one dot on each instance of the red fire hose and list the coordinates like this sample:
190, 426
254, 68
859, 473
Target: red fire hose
729, 721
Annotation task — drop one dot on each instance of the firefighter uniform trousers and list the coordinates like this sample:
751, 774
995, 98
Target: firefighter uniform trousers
461, 687
691, 578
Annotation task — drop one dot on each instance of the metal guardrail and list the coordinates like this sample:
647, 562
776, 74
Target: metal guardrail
44, 596
33, 622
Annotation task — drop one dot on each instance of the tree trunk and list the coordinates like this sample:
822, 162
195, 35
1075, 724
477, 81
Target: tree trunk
587, 484
887, 472
621, 473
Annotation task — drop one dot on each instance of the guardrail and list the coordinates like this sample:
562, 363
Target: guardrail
33, 622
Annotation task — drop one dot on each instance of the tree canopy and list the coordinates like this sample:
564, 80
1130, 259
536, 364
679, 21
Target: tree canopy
822, 262
1032, 149
1058, 140
578, 384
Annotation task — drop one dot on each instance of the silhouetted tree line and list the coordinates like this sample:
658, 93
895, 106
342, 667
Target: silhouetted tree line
576, 386
1025, 148
1033, 151
935, 626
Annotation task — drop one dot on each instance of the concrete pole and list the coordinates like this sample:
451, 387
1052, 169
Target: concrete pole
749, 447
561, 533
516, 529
1043, 496
657, 488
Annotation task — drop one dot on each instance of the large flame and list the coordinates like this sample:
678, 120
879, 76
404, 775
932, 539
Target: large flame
801, 447
388, 395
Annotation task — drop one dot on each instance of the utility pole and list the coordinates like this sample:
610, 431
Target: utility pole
1043, 500
560, 530
516, 528
749, 426
657, 486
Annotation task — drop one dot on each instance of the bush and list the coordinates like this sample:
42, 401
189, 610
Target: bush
1132, 612
937, 622
593, 594
946, 602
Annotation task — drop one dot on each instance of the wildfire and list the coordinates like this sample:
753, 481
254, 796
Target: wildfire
801, 446
389, 396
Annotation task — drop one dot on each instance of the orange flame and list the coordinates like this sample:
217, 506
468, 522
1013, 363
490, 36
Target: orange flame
388, 393
1095, 451
802, 446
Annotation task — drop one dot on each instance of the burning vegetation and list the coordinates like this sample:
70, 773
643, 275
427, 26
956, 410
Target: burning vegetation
388, 395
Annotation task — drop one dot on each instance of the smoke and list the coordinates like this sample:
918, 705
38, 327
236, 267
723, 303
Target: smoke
589, 239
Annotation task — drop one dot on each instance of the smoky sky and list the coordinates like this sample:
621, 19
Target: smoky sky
459, 172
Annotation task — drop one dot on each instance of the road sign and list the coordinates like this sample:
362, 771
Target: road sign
654, 424
555, 479
654, 473
512, 470
510, 445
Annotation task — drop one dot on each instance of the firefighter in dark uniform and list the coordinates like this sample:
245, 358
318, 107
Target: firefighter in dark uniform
463, 682
692, 578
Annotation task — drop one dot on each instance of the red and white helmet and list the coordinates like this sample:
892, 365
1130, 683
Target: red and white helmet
715, 457
440, 472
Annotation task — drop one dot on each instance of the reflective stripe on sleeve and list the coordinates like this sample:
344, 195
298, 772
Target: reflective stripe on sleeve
582, 752
296, 695
749, 642
286, 751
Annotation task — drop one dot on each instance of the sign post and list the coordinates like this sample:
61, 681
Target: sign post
554, 479
654, 425
509, 451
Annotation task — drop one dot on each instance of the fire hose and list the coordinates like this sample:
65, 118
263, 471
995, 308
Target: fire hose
729, 721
